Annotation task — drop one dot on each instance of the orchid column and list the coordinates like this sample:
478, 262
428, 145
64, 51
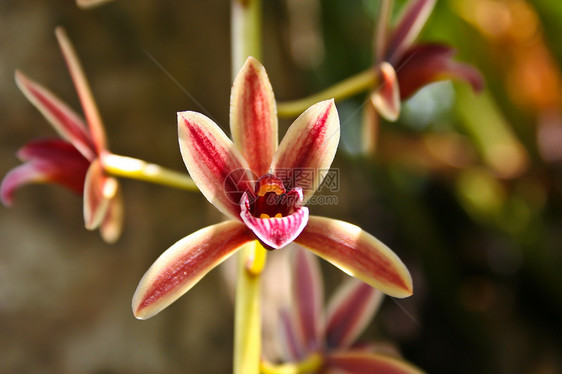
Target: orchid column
246, 41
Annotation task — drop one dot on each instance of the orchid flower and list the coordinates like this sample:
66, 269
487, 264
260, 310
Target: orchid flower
405, 67
315, 340
76, 160
254, 182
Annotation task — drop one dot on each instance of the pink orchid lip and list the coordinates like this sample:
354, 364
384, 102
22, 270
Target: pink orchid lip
275, 216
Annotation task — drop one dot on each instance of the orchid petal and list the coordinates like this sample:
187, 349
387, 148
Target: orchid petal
64, 120
85, 95
409, 26
99, 189
309, 296
214, 163
357, 253
309, 145
253, 116
112, 224
48, 161
181, 266
427, 63
386, 99
350, 311
275, 232
363, 362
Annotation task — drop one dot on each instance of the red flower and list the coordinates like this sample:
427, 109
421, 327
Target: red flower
75, 161
252, 180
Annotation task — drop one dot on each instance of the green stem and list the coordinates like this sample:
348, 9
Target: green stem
353, 85
133, 168
247, 321
245, 32
246, 41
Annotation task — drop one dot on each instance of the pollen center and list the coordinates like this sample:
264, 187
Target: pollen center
265, 188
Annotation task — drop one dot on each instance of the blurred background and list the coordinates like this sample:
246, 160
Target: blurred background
466, 189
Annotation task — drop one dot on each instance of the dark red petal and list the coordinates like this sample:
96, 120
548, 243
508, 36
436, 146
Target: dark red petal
48, 161
427, 63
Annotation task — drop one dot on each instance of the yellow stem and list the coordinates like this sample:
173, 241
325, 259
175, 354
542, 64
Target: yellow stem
133, 168
311, 364
246, 41
353, 85
247, 323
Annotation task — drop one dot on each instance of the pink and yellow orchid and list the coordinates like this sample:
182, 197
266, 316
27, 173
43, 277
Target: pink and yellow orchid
315, 340
405, 67
76, 160
254, 182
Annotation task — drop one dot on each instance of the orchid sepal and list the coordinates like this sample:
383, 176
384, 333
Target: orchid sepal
182, 265
359, 362
253, 116
214, 162
310, 143
349, 311
357, 253
386, 99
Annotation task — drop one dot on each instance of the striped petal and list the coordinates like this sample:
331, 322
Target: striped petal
386, 99
99, 189
290, 341
253, 116
93, 118
308, 148
65, 121
363, 362
214, 163
181, 266
48, 161
309, 296
350, 310
275, 232
409, 26
427, 63
357, 253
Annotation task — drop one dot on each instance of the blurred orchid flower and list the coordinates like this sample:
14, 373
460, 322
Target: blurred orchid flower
76, 160
318, 341
405, 67
255, 183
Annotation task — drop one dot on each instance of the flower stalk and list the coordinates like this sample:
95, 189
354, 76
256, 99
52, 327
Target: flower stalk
246, 41
133, 168
247, 331
353, 85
